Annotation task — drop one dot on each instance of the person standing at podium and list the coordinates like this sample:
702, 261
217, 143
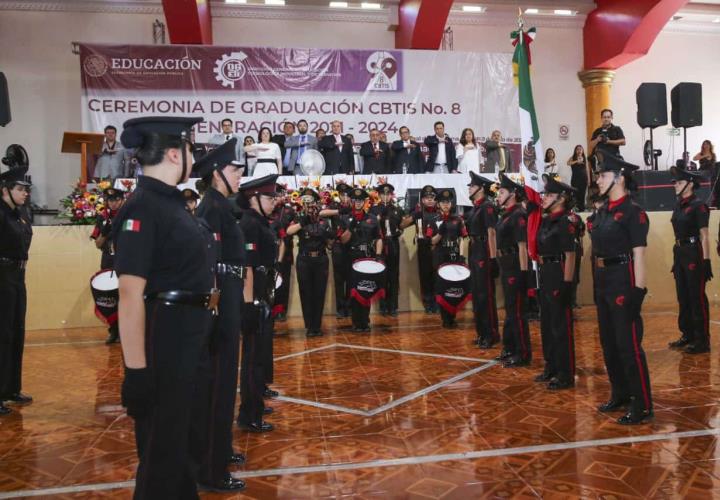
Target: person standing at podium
111, 162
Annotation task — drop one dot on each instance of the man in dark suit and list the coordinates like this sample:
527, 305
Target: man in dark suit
441, 160
337, 151
375, 155
406, 154
279, 139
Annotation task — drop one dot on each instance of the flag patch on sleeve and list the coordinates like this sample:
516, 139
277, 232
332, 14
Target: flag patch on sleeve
217, 236
131, 225
250, 246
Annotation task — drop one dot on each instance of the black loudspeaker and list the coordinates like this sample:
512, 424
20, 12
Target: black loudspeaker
651, 101
686, 100
5, 116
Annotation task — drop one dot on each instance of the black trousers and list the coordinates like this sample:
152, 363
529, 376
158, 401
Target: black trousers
556, 325
579, 181
175, 339
282, 294
621, 336
341, 277
312, 276
218, 398
426, 269
392, 275
252, 372
483, 297
107, 261
693, 320
13, 305
516, 335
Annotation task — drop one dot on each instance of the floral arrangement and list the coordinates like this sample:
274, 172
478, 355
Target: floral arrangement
84, 204
329, 194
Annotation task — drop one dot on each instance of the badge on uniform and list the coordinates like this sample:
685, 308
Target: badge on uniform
131, 225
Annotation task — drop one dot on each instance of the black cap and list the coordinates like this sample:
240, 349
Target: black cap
480, 181
310, 192
385, 188
113, 194
358, 194
15, 176
189, 194
136, 129
681, 174
445, 195
263, 185
605, 162
509, 184
343, 188
553, 185
428, 191
217, 159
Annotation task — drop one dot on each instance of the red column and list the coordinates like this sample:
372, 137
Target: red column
422, 23
188, 21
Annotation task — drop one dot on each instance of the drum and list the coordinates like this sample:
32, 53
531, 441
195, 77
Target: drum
104, 286
367, 281
453, 287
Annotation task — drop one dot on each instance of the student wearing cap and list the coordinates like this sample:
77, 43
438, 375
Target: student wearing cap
191, 199
619, 239
164, 259
511, 234
482, 258
556, 251
691, 262
257, 199
15, 237
283, 215
101, 234
315, 235
596, 202
335, 212
215, 404
445, 235
390, 218
362, 234
424, 215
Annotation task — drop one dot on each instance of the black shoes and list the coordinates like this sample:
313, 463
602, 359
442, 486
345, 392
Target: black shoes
269, 393
268, 410
227, 484
516, 362
237, 459
484, 343
697, 349
361, 329
113, 335
19, 399
394, 313
543, 377
559, 385
313, 333
679, 343
504, 354
255, 427
636, 417
4, 410
448, 325
613, 405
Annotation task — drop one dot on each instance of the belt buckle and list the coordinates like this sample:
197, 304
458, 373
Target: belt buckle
213, 300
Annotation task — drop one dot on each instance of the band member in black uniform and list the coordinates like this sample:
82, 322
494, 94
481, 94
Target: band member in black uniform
101, 234
362, 234
511, 233
446, 234
216, 402
579, 234
619, 237
15, 237
315, 234
425, 214
691, 263
164, 258
283, 216
482, 258
191, 200
257, 198
335, 212
390, 218
556, 248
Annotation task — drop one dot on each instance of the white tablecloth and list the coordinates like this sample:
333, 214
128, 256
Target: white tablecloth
401, 182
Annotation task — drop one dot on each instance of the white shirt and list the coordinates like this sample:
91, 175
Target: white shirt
338, 140
468, 161
272, 152
441, 156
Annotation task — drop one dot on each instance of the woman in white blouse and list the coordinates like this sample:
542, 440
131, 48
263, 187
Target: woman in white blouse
551, 166
267, 154
467, 153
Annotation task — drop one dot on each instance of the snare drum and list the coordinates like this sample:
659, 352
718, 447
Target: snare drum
367, 281
104, 286
453, 287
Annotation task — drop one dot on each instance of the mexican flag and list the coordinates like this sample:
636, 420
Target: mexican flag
532, 165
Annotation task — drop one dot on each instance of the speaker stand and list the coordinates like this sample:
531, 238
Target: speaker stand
686, 155
652, 149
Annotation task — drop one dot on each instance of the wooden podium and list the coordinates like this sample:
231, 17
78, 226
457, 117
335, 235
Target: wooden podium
84, 143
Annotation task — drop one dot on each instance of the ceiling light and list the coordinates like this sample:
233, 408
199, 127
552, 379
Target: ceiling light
339, 5
564, 12
532, 11
274, 2
473, 8
370, 5
235, 1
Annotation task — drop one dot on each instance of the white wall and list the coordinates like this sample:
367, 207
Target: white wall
44, 77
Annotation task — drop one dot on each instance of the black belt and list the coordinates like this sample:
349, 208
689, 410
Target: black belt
481, 239
231, 270
450, 244
312, 253
684, 242
204, 300
360, 248
266, 160
507, 251
552, 259
18, 264
601, 262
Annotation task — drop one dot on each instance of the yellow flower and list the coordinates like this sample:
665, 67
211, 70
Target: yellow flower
92, 198
103, 185
363, 182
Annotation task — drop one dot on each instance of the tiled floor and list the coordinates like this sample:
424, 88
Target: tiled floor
401, 425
